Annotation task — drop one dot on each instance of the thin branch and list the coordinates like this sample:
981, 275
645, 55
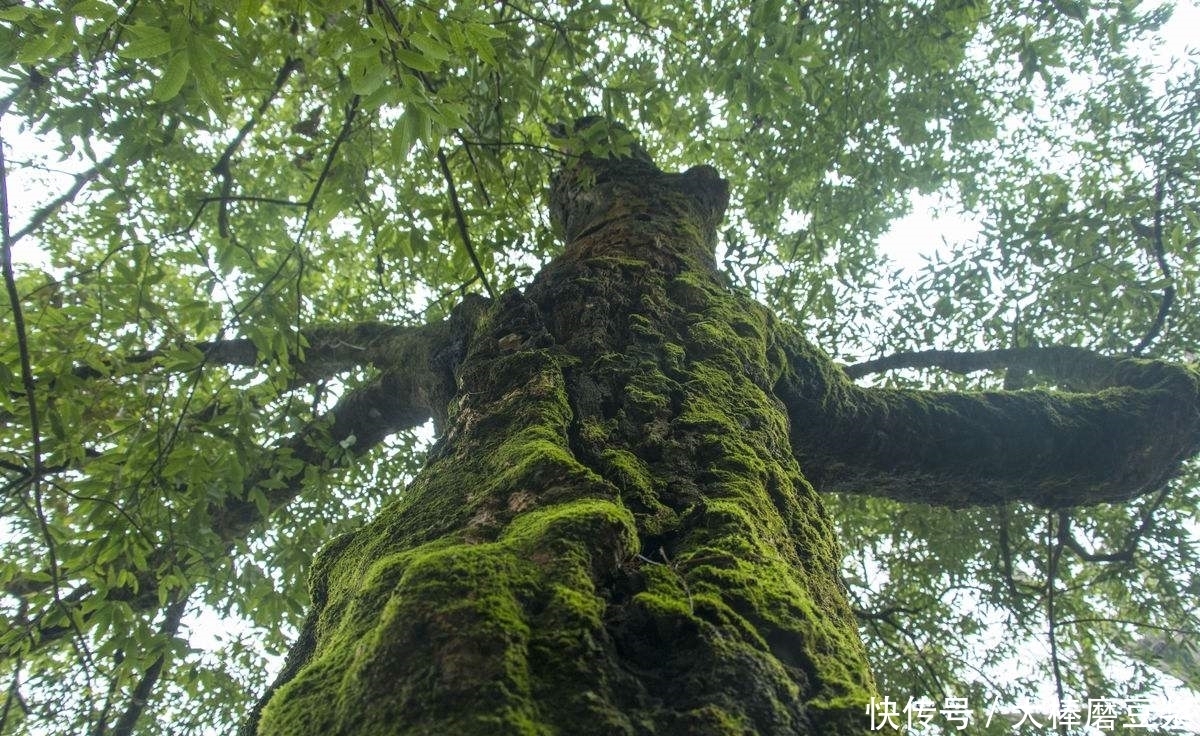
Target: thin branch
1127, 550
1127, 622
1160, 255
462, 223
10, 285
26, 475
14, 301
487, 199
1006, 553
47, 211
887, 613
145, 686
289, 65
254, 200
222, 167
1054, 554
13, 695
1074, 365
331, 349
343, 134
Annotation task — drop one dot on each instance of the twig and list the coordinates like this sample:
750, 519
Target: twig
462, 222
1054, 554
1160, 255
141, 693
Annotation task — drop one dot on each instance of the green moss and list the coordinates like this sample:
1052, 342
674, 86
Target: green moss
457, 617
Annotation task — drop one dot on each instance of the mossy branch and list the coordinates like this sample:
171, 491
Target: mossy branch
1126, 436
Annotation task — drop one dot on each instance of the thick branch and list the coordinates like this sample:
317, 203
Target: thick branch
331, 349
397, 400
416, 383
1126, 437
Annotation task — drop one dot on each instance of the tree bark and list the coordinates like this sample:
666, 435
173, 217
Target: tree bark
613, 535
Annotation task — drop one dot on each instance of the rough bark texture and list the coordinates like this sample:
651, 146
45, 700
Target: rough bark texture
613, 535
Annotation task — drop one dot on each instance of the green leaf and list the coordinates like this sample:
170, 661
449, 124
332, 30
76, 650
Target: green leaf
15, 13
146, 42
94, 9
413, 60
173, 78
38, 48
414, 126
430, 47
481, 44
201, 53
183, 359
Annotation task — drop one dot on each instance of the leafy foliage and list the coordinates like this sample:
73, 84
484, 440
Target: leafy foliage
251, 169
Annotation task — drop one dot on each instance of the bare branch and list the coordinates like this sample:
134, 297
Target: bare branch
462, 223
1160, 255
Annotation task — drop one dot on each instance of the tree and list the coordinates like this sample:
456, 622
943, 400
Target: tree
621, 516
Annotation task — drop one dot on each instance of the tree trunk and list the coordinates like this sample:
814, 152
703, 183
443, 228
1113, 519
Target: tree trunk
613, 535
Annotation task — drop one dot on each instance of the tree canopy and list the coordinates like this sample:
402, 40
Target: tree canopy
234, 216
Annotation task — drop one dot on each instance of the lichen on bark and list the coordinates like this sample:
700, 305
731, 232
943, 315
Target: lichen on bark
612, 535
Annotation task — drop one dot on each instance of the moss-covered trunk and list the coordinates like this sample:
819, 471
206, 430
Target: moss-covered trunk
613, 535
